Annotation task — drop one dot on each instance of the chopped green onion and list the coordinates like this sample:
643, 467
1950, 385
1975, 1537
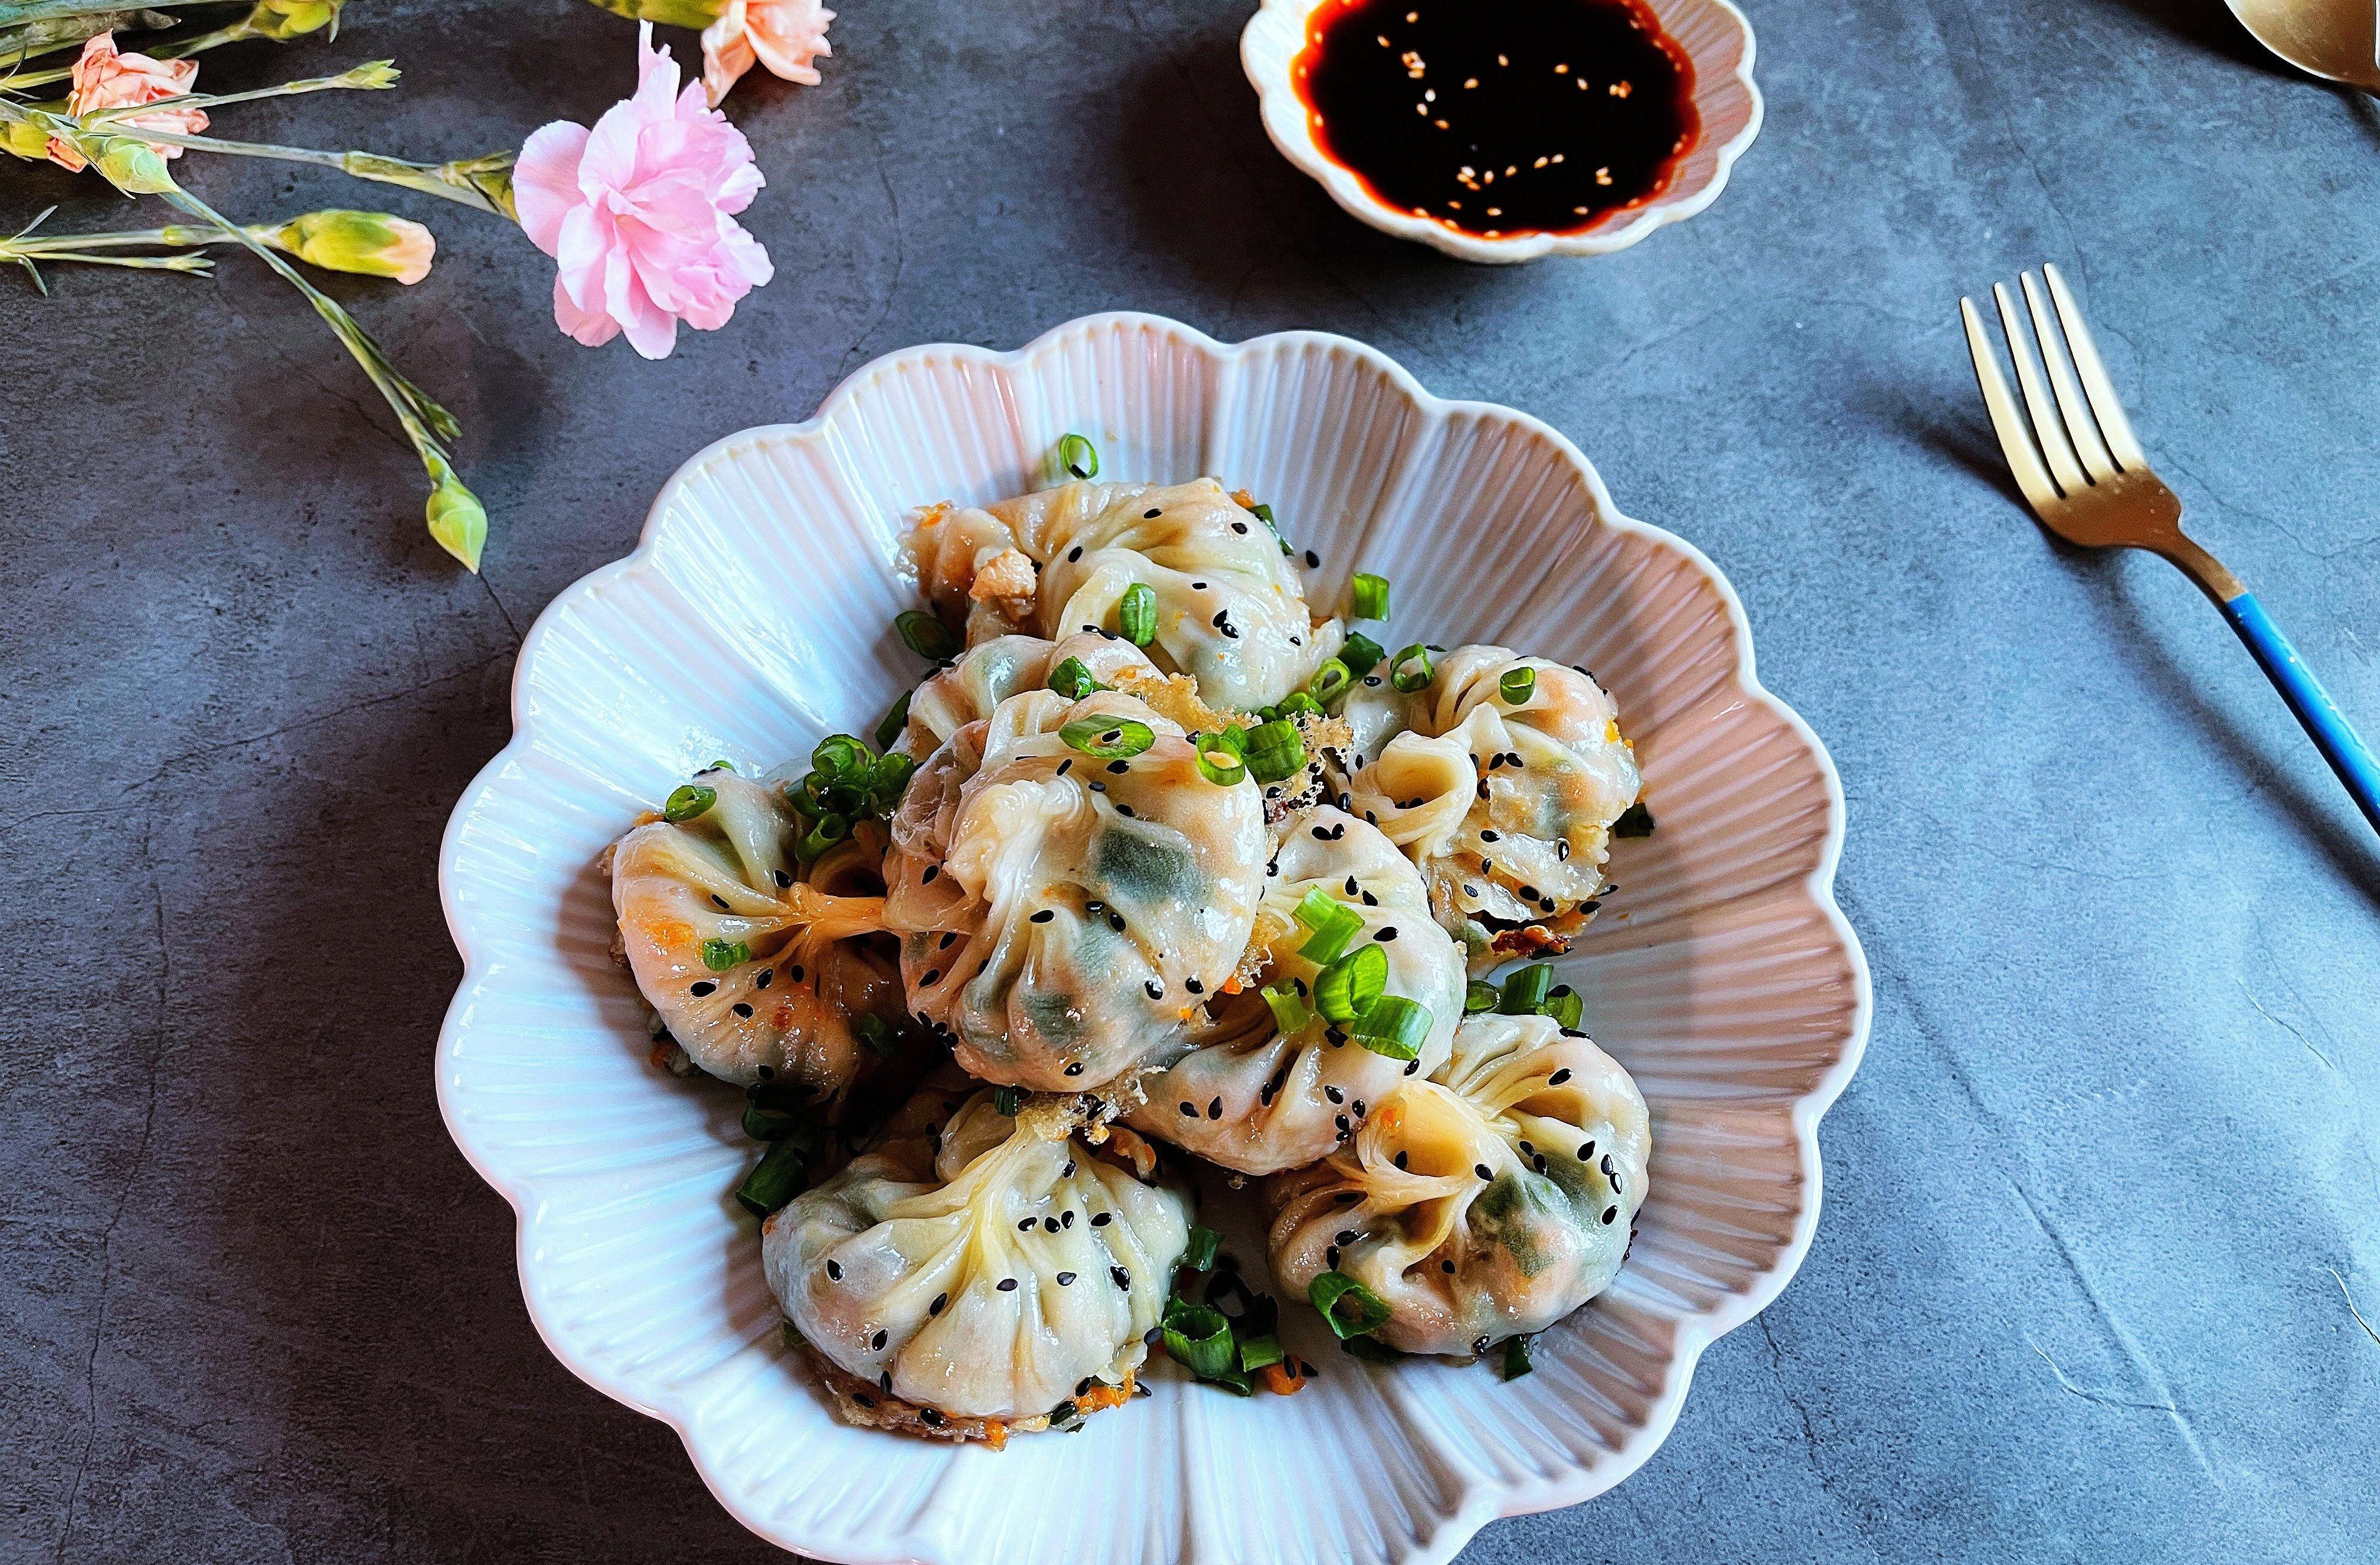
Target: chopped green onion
1332, 1290
1565, 1008
1330, 681
1078, 456
1352, 983
1290, 1015
1258, 1351
1136, 614
1275, 750
1516, 1358
895, 722
688, 800
840, 755
1634, 821
831, 829
1524, 991
1516, 686
766, 1124
926, 635
1218, 762
890, 776
1360, 652
1370, 1351
1333, 923
1072, 679
775, 1180
721, 766
1007, 1100
875, 1036
1298, 701
1370, 596
1200, 1339
1411, 669
720, 955
1200, 1256
1263, 513
1393, 1025
1481, 996
1108, 739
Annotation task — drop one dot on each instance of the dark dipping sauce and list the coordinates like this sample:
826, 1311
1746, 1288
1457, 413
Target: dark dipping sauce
1498, 117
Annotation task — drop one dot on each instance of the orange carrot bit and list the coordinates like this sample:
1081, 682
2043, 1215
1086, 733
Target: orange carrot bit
995, 1434
1231, 984
1104, 1396
1286, 1378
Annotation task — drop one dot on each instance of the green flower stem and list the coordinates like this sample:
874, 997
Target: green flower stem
466, 180
19, 12
696, 14
371, 77
47, 38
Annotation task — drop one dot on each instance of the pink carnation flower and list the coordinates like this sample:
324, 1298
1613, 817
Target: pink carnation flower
639, 212
784, 35
104, 79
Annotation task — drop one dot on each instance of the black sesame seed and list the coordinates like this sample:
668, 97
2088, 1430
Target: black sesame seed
704, 988
1118, 768
1412, 1065
1331, 1258
1044, 916
1151, 516
1540, 1162
1189, 1110
877, 1340
1084, 1384
1048, 1225
1446, 1267
1194, 986
863, 1399
1400, 1160
1075, 1068
1586, 1151
1122, 1278
1333, 1094
1239, 527
1066, 1280
834, 1270
1562, 848
1098, 787
1008, 1285
1066, 1219
1215, 1110
1068, 1172
1615, 1185
720, 900
798, 973
768, 976
1312, 560
1346, 1236
1072, 555
950, 939
933, 1419
1100, 1219
1343, 1126
1609, 1213
783, 880
1065, 765
1384, 934
936, 1307
1605, 1165
1115, 922
1358, 1106
1025, 1225
1481, 1169
1479, 1345
1154, 989
742, 1009
1559, 1077
933, 976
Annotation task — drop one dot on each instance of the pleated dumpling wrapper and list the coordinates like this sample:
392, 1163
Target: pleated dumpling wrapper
1254, 1095
1229, 609
972, 1270
991, 672
1067, 886
1501, 778
1489, 1203
758, 964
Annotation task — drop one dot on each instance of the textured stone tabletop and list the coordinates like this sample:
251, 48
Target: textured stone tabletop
2096, 1201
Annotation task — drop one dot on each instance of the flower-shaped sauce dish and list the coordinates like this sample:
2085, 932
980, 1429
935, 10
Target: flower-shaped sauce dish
1502, 130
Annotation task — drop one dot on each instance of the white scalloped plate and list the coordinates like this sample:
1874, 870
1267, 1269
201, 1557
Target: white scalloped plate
754, 616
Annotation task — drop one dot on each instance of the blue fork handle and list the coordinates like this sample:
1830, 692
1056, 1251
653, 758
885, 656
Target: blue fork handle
2339, 744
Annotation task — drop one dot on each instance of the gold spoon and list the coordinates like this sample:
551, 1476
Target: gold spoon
2333, 39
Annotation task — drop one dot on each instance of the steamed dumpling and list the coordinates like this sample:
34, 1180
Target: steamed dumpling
1487, 1203
1506, 807
972, 1266
991, 672
756, 965
1251, 1100
1230, 610
1061, 915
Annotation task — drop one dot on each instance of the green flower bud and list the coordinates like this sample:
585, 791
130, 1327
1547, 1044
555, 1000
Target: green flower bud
696, 14
457, 520
371, 244
281, 20
25, 140
134, 167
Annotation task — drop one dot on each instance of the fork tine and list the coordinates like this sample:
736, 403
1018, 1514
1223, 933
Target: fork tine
2060, 456
2105, 402
2007, 422
2071, 406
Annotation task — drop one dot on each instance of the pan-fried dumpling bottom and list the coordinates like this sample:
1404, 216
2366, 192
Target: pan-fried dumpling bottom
1251, 1100
1506, 807
1060, 913
1230, 610
1487, 1203
815, 957
976, 1266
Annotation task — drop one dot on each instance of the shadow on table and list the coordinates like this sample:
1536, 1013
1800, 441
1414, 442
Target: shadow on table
2327, 819
2209, 25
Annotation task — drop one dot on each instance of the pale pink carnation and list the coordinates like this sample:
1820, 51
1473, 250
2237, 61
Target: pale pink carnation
106, 80
784, 35
639, 212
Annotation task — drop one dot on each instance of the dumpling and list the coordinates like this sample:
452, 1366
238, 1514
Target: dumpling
1062, 911
1252, 1100
1231, 612
1487, 1203
756, 965
971, 1267
991, 672
1506, 804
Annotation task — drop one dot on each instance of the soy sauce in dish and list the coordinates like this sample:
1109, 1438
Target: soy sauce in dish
1498, 117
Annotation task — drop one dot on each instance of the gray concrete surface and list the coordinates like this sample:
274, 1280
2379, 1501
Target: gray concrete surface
2078, 1290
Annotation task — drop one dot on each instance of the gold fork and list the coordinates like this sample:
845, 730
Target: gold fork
2090, 483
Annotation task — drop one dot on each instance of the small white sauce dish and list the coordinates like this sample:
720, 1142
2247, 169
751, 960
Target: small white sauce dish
1715, 37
